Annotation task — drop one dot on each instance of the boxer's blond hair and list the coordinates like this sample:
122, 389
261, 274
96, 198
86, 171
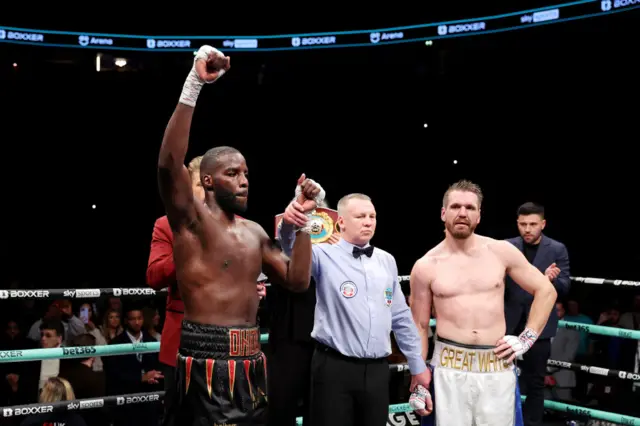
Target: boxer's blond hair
463, 186
194, 167
342, 204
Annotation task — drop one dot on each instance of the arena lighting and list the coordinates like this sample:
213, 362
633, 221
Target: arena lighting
455, 161
120, 62
552, 14
98, 62
426, 125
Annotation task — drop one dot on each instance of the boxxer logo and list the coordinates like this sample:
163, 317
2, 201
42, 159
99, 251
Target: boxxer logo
133, 292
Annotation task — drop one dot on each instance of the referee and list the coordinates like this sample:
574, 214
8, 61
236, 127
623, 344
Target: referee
359, 303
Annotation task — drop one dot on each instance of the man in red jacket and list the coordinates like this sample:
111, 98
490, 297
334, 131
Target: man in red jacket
161, 274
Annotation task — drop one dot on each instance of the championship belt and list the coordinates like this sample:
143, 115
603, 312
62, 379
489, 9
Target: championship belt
323, 223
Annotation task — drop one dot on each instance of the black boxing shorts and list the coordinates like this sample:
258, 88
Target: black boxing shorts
221, 377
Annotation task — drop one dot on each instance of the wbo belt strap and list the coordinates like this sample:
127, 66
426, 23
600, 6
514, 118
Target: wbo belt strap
467, 358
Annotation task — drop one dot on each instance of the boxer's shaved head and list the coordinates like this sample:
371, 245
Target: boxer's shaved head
224, 175
212, 158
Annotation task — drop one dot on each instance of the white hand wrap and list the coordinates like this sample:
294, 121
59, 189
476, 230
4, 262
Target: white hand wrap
319, 198
521, 344
193, 84
311, 225
418, 398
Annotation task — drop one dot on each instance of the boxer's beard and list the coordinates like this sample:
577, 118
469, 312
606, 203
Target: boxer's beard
462, 232
228, 202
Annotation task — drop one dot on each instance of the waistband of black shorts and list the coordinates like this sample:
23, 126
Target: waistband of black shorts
208, 341
321, 347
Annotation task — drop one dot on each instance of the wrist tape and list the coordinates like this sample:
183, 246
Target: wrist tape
193, 84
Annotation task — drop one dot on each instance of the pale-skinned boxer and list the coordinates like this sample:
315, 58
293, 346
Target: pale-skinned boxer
473, 373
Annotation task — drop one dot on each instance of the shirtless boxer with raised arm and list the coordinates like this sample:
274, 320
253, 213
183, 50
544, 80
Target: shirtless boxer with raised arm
473, 375
220, 370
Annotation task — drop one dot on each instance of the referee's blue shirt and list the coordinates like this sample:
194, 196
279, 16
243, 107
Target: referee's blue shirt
359, 302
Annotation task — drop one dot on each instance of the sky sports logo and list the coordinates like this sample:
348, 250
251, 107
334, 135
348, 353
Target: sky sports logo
82, 293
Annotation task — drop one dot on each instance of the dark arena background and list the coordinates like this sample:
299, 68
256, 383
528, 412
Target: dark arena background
534, 101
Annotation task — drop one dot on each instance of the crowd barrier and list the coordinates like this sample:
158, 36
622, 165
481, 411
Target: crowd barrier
94, 293
25, 355
156, 397
152, 347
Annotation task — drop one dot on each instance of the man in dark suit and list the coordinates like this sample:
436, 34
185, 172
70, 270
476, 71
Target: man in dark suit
551, 257
133, 373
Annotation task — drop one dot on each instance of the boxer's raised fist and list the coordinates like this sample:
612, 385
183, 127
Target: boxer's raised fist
211, 64
308, 193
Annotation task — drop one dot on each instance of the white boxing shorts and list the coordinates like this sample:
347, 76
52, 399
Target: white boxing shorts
471, 386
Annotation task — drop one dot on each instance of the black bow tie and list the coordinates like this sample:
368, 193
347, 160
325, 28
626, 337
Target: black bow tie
357, 251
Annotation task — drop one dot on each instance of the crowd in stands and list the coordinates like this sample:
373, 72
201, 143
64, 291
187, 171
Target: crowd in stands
111, 321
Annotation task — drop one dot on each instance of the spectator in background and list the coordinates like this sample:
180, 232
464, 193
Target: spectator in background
86, 382
114, 303
60, 310
25, 387
607, 348
134, 373
111, 325
560, 382
13, 338
631, 319
55, 389
552, 259
609, 353
585, 349
151, 322
85, 313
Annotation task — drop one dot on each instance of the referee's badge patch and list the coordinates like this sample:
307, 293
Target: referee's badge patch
388, 296
348, 289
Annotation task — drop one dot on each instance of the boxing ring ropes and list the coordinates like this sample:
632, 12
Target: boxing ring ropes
116, 401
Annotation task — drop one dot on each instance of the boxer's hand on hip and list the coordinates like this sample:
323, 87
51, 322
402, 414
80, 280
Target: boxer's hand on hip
511, 347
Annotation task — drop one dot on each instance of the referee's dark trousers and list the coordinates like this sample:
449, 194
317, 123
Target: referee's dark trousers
348, 391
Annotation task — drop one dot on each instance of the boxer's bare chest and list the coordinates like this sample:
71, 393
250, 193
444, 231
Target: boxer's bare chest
464, 274
216, 251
